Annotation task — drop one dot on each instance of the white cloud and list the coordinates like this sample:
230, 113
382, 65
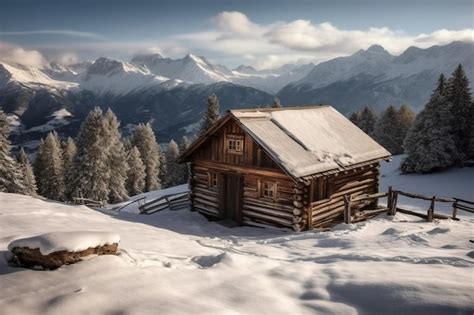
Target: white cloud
232, 35
11, 53
271, 45
53, 32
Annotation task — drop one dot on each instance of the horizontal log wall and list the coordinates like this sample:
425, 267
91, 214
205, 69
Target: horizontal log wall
203, 198
357, 182
256, 210
277, 211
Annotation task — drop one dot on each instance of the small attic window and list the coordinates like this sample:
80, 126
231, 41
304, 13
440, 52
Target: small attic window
234, 144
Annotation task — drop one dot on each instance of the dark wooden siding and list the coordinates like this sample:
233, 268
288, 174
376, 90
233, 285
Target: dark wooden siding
214, 149
328, 193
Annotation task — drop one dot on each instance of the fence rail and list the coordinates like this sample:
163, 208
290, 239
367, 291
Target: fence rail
392, 208
171, 201
89, 202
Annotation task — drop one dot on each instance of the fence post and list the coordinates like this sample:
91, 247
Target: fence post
394, 199
455, 208
347, 209
431, 210
389, 200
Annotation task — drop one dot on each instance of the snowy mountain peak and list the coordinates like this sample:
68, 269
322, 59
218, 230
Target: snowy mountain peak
246, 69
377, 49
144, 60
104, 66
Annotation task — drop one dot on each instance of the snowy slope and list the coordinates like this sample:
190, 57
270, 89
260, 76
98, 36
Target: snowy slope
176, 262
30, 76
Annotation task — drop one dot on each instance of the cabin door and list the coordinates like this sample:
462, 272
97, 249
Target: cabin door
232, 197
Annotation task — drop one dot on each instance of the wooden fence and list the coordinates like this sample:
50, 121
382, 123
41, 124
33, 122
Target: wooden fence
172, 201
89, 202
350, 216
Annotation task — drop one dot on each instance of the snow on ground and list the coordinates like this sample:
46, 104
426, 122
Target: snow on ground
176, 262
454, 182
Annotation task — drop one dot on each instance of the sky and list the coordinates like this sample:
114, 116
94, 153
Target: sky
261, 33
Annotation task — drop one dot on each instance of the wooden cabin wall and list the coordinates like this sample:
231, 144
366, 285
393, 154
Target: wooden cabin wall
203, 198
256, 210
214, 150
277, 212
328, 193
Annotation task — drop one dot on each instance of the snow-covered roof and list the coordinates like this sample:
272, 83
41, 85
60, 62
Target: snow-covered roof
309, 140
305, 141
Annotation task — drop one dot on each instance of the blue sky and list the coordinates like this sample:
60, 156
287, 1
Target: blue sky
261, 33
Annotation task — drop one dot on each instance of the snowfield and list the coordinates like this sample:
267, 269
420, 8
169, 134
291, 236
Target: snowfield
176, 262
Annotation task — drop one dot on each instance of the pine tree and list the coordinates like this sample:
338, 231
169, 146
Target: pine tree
430, 143
276, 103
26, 169
459, 95
183, 167
387, 129
355, 118
91, 171
405, 120
144, 139
212, 113
163, 164
367, 120
135, 182
172, 168
117, 159
69, 152
10, 175
49, 168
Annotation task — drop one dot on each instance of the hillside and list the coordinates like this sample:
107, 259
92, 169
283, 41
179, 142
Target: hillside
178, 262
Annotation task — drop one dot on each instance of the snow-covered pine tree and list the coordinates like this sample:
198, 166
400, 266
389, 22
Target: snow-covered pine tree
211, 115
430, 143
162, 167
144, 139
183, 167
276, 103
172, 167
90, 167
367, 120
459, 95
386, 131
135, 182
117, 158
26, 169
69, 152
10, 175
49, 168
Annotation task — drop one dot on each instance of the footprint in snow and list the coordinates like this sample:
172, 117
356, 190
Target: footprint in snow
438, 231
208, 261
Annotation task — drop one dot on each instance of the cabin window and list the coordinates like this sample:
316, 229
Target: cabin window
268, 189
213, 179
235, 144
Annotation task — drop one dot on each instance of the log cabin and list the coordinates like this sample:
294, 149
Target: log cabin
287, 167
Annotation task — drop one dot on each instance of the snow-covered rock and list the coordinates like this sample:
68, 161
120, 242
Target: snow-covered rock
66, 241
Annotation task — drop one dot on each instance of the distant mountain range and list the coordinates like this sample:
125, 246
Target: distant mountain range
171, 93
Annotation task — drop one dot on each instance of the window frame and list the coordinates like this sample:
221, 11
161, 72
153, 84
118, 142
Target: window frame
213, 180
234, 143
263, 190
